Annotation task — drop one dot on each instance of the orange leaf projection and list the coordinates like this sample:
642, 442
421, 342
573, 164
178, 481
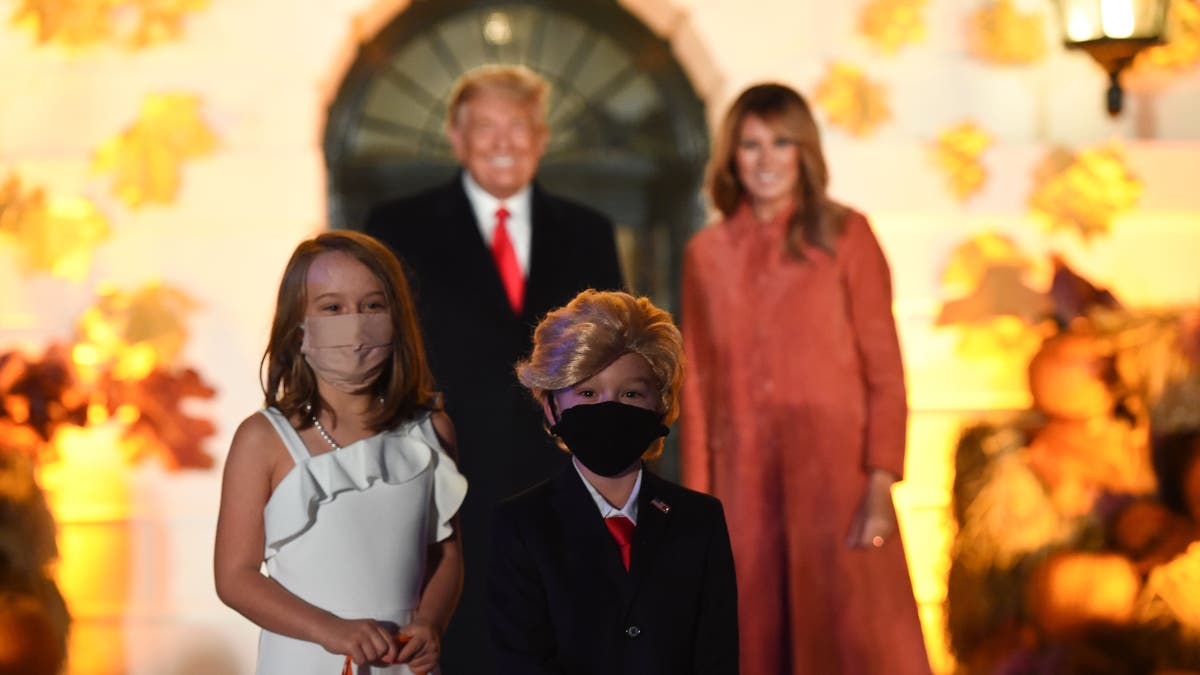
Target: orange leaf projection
81, 23
1000, 33
851, 101
39, 397
1182, 50
161, 20
36, 396
69, 22
891, 24
1001, 292
134, 333
121, 372
146, 157
133, 340
993, 306
972, 258
56, 235
1084, 192
161, 428
957, 152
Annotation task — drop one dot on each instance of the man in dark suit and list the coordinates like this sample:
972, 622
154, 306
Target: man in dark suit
488, 254
607, 568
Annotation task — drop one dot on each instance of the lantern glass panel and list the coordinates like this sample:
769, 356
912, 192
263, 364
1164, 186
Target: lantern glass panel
1086, 20
1080, 20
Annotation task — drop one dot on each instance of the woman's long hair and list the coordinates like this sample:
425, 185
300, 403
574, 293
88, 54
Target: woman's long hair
817, 220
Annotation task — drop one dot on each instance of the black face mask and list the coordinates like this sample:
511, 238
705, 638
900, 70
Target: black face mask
608, 437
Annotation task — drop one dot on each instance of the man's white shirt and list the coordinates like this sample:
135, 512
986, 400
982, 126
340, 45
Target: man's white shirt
519, 223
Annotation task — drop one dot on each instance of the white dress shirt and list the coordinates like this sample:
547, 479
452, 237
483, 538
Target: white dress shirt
630, 510
519, 224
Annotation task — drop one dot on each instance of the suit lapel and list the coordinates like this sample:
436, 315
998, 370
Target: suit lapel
591, 549
469, 255
652, 526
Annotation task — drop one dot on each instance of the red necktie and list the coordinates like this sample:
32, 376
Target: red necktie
621, 529
506, 263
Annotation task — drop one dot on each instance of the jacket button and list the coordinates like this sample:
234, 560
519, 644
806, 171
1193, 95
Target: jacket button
633, 631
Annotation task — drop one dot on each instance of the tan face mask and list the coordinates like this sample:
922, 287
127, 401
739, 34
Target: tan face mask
348, 351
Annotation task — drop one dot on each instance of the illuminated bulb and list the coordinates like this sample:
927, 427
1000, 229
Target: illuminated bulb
1079, 26
497, 29
1116, 16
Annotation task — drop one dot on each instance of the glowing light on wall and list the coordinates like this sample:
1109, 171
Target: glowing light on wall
55, 234
1002, 34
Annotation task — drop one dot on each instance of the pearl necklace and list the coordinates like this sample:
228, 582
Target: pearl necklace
324, 434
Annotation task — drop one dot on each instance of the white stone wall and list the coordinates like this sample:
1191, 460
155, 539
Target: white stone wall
266, 70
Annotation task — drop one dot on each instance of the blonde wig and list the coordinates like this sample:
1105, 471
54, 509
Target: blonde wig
405, 386
817, 220
516, 82
583, 337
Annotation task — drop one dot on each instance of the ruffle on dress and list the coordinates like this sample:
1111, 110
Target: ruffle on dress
393, 457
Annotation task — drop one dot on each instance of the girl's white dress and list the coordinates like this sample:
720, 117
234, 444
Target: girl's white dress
347, 531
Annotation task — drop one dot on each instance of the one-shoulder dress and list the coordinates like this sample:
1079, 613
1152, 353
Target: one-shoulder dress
347, 531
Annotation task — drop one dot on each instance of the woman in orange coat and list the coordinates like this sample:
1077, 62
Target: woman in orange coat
796, 407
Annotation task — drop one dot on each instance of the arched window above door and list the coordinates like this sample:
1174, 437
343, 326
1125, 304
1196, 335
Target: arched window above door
627, 131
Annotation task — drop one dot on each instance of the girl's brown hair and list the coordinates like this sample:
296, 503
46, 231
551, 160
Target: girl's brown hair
404, 388
817, 220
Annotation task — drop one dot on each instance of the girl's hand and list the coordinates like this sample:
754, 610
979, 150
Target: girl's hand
875, 519
363, 640
422, 646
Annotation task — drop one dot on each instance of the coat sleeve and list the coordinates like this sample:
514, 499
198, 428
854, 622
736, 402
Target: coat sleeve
518, 613
695, 459
869, 297
716, 646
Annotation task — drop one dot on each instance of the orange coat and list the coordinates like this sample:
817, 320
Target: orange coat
794, 391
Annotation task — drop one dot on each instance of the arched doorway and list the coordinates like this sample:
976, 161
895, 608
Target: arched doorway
628, 132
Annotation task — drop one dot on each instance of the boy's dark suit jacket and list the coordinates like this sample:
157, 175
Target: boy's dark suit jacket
560, 601
473, 340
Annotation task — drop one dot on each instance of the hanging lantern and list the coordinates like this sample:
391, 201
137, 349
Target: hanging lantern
1113, 32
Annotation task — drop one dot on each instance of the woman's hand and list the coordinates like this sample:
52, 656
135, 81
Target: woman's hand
422, 646
363, 640
875, 519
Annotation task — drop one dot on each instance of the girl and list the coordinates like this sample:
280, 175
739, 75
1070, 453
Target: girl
344, 484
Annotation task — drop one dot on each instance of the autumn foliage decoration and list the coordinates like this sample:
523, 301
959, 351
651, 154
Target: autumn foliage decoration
120, 370
78, 24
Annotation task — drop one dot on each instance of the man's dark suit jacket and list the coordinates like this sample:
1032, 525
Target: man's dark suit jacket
473, 340
560, 601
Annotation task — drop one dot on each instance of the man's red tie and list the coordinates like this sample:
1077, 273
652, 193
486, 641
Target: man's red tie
621, 529
506, 263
